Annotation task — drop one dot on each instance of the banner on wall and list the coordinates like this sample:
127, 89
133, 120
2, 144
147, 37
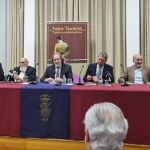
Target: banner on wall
69, 39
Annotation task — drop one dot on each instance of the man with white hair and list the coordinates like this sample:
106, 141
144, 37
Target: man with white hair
105, 127
24, 71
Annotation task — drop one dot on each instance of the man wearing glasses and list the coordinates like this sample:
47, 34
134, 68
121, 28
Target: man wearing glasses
24, 71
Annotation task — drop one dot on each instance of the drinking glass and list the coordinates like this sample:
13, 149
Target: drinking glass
69, 81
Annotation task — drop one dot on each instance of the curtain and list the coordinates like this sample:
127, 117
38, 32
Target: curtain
145, 31
106, 27
41, 36
16, 17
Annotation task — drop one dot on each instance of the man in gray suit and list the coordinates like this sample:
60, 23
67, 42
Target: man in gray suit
137, 74
57, 71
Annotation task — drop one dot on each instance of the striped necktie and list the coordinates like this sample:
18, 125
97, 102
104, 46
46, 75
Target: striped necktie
57, 71
99, 73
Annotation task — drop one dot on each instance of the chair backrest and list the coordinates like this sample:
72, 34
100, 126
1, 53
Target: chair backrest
76, 78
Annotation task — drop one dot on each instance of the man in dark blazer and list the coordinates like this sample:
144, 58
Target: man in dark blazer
100, 71
1, 73
55, 72
137, 73
24, 71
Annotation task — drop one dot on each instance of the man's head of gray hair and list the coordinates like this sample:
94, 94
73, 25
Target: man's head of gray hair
106, 126
103, 54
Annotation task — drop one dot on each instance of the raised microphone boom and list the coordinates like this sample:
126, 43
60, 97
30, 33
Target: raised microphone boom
125, 79
79, 83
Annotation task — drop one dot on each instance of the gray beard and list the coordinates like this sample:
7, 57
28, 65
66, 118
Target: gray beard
23, 69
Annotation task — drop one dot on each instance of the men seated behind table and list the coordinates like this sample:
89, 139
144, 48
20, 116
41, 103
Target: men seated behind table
1, 73
105, 127
24, 71
99, 71
137, 73
57, 70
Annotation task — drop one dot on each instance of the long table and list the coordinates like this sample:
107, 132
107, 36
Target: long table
26, 112
134, 100
10, 94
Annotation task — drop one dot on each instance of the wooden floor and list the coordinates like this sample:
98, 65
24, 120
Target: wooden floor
9, 143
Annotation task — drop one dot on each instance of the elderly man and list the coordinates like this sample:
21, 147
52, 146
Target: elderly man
24, 71
99, 71
105, 127
57, 71
1, 73
137, 73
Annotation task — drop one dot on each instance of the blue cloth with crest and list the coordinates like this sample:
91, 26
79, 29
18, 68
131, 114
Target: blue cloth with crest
45, 111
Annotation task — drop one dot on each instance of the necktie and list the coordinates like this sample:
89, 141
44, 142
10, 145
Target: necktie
57, 71
99, 74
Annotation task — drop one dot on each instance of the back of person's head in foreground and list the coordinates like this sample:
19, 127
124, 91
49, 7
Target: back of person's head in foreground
105, 127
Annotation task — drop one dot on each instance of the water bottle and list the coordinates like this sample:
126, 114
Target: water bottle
64, 79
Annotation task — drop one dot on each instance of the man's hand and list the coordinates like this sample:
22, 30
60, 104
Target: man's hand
58, 80
89, 77
95, 79
49, 80
17, 77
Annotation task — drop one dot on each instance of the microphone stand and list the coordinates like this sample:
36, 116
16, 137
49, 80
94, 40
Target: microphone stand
108, 76
10, 76
79, 83
125, 79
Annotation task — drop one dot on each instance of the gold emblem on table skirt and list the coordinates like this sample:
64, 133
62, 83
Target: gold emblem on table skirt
45, 107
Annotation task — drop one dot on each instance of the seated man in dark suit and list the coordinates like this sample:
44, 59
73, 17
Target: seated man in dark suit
100, 71
55, 72
24, 71
137, 73
1, 73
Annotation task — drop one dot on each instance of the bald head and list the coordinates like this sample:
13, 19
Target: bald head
137, 59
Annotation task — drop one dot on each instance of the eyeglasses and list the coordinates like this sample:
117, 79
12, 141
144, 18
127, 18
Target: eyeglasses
56, 59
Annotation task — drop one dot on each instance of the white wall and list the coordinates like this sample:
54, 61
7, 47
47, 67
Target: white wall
29, 31
3, 33
132, 29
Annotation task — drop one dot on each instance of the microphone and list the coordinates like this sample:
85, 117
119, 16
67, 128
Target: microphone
10, 76
108, 76
36, 64
125, 78
79, 83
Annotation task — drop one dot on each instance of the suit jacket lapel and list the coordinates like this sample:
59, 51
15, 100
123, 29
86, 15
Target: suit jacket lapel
132, 73
143, 74
27, 70
62, 70
52, 71
94, 69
